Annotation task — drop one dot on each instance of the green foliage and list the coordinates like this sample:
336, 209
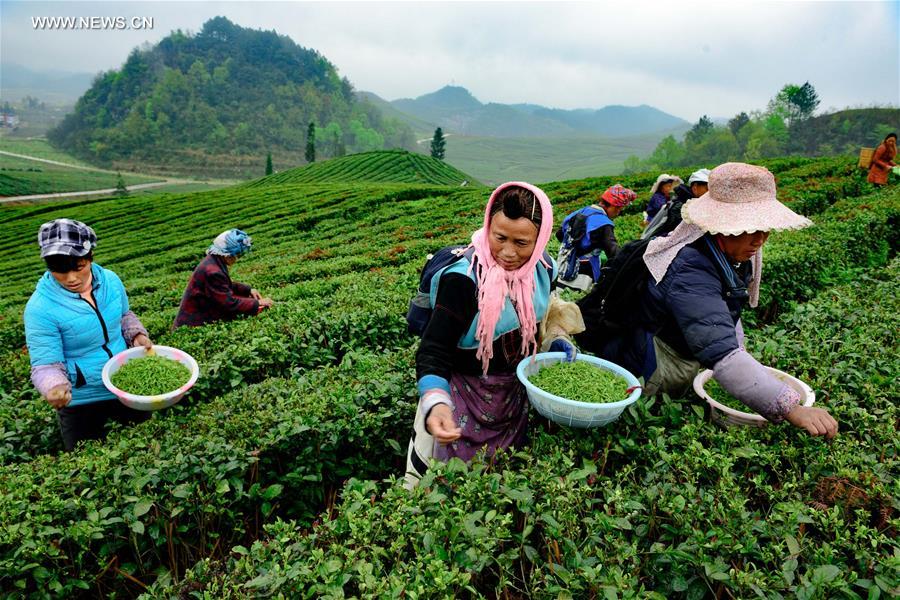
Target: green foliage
151, 376
438, 144
310, 153
225, 90
385, 166
121, 189
269, 163
240, 489
581, 381
662, 504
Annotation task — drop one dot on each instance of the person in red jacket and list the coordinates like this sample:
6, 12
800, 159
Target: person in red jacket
883, 160
211, 295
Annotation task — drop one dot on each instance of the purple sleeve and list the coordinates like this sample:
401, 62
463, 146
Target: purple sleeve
656, 203
131, 327
744, 378
47, 377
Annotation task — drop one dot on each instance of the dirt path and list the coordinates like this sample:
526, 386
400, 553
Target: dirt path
139, 186
130, 188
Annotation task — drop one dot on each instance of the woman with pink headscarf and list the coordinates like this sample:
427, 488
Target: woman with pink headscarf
485, 320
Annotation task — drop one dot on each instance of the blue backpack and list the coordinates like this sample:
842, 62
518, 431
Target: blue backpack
420, 308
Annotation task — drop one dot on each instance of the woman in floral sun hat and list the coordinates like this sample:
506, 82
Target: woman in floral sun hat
700, 277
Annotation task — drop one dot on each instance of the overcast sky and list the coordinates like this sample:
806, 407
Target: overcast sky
686, 58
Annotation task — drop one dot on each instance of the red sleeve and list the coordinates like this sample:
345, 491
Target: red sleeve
878, 157
240, 289
220, 292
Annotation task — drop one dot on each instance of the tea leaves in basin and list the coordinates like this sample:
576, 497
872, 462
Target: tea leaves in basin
581, 381
151, 376
718, 393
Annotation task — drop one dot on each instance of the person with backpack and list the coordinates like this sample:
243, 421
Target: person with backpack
587, 232
76, 320
693, 284
486, 309
211, 295
669, 215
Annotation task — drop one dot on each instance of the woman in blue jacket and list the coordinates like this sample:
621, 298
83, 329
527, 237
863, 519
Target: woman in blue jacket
77, 319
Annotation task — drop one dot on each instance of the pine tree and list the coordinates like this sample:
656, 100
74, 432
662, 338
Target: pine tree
311, 143
438, 144
269, 163
121, 189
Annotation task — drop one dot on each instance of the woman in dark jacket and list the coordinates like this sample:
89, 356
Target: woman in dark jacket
486, 314
211, 295
700, 277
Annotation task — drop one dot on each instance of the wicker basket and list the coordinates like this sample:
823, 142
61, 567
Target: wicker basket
865, 157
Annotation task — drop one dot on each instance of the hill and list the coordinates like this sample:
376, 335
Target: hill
271, 477
844, 131
387, 166
219, 96
456, 110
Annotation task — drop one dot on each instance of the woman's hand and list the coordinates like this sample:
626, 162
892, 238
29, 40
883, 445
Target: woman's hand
266, 303
816, 421
141, 340
255, 295
441, 425
59, 396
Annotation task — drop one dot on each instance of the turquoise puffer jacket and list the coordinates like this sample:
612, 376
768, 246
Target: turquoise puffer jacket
62, 327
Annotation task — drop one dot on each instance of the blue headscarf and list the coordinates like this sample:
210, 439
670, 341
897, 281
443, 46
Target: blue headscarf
233, 242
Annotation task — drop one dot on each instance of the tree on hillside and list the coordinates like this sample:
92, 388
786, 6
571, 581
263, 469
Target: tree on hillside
737, 122
311, 143
121, 189
438, 144
269, 163
794, 103
699, 131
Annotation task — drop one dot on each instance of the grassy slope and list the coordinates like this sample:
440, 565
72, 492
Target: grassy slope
392, 166
21, 177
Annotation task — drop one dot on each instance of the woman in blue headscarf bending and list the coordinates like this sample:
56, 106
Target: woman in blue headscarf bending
211, 295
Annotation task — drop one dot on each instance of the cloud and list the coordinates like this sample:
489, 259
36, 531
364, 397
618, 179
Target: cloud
688, 58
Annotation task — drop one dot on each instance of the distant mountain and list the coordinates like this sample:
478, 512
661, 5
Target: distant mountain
53, 86
456, 110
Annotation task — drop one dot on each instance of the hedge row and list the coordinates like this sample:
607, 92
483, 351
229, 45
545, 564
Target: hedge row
662, 504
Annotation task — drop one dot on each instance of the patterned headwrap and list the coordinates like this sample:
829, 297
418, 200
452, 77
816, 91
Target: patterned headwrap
233, 242
619, 196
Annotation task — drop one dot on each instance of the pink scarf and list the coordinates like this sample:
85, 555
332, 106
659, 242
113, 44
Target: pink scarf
496, 283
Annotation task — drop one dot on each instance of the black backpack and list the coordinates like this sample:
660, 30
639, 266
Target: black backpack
420, 309
609, 307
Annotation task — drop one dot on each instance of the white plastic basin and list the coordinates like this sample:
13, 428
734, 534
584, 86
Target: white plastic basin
149, 402
728, 417
572, 412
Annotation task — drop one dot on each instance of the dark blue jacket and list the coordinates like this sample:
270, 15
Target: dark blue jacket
693, 309
595, 238
657, 201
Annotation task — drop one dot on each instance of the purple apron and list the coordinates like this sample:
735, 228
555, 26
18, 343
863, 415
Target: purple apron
491, 410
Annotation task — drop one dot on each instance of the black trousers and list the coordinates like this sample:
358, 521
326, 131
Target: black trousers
92, 421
